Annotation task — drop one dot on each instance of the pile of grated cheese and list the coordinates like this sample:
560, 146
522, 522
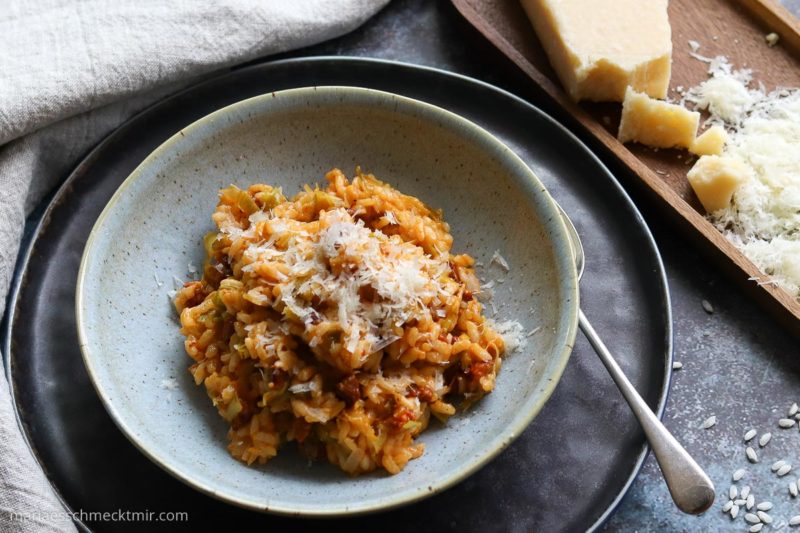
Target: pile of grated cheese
341, 261
763, 220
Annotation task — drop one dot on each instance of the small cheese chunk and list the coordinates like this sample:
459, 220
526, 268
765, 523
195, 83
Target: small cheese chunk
710, 142
600, 47
715, 178
772, 39
655, 123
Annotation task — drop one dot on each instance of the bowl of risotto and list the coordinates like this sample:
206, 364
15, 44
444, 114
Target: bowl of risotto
327, 301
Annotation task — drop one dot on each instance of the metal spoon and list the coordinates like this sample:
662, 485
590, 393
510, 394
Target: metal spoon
690, 487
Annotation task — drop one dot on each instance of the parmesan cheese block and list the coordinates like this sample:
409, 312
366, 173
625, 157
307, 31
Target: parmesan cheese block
656, 123
600, 47
711, 142
715, 178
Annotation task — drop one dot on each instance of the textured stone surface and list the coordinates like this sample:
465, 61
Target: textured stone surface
738, 364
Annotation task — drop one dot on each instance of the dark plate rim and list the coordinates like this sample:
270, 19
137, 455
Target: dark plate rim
24, 256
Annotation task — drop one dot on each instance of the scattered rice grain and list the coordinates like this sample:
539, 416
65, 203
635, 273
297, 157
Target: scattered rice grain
710, 422
752, 456
785, 469
727, 506
745, 491
734, 512
793, 409
707, 307
764, 506
750, 434
764, 440
767, 519
752, 518
732, 492
793, 489
739, 474
751, 501
795, 520
777, 465
786, 423
755, 528
677, 365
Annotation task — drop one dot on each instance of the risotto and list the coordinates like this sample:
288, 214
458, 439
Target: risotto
339, 320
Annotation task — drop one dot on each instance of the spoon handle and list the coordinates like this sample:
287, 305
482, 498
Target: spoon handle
690, 487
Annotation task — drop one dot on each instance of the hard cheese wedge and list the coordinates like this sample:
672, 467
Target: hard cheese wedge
600, 47
714, 180
656, 123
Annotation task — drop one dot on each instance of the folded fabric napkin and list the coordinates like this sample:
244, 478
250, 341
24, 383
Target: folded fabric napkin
70, 72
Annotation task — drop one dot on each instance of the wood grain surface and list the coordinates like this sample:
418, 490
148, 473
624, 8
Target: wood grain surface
731, 28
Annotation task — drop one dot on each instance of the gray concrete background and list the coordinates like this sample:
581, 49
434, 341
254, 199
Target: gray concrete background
737, 363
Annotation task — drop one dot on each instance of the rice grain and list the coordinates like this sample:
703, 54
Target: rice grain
752, 456
752, 518
727, 506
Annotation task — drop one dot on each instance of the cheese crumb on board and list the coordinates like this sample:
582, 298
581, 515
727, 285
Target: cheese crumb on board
655, 123
725, 94
710, 142
714, 179
600, 47
772, 39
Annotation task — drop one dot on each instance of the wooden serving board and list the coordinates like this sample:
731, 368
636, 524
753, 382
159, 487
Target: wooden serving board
733, 28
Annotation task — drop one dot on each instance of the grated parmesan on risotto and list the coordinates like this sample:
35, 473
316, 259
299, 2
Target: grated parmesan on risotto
339, 320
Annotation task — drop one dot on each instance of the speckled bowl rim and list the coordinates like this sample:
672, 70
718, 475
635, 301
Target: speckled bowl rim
551, 220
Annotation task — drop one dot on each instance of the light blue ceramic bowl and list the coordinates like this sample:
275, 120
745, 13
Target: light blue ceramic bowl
152, 229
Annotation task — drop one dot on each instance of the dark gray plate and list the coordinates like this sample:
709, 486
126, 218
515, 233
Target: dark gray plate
569, 469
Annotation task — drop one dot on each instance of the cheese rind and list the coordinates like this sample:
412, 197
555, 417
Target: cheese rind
600, 47
655, 123
710, 142
715, 178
